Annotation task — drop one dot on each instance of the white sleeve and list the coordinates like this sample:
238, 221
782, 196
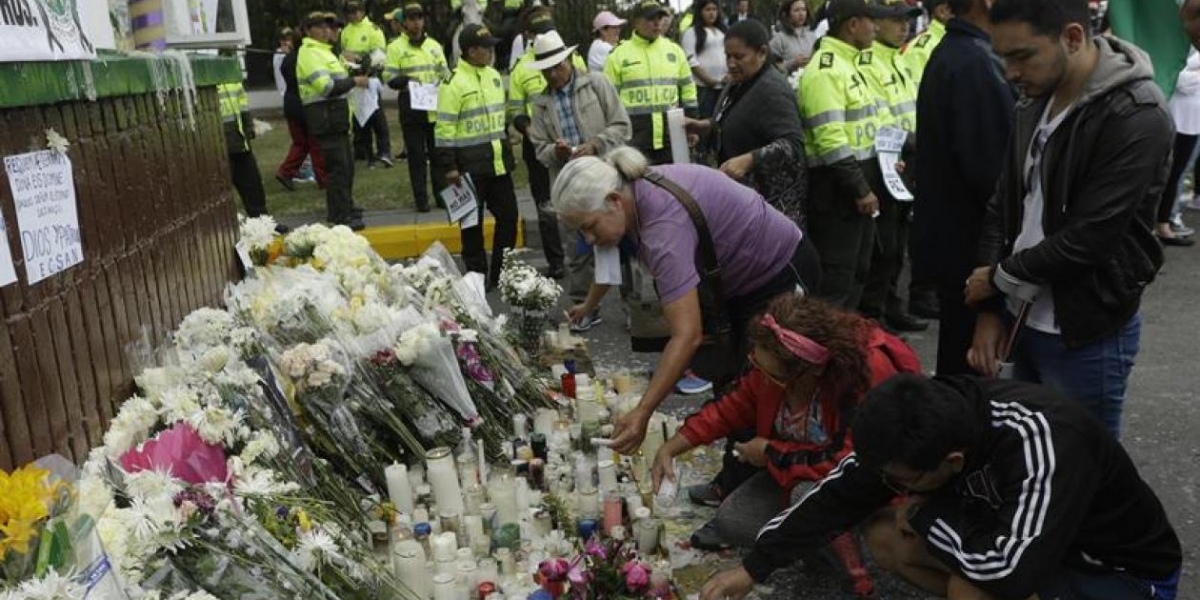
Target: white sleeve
277, 63
688, 42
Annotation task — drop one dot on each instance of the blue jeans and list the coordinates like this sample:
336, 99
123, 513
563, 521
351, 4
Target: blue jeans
1096, 374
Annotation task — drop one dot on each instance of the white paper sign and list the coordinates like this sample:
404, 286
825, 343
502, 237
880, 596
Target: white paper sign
423, 95
608, 265
8, 273
461, 202
44, 193
365, 101
43, 30
889, 141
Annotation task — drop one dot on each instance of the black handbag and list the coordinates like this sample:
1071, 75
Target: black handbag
716, 358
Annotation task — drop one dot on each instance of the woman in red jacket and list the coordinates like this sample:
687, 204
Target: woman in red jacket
812, 365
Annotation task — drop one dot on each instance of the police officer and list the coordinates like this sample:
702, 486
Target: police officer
840, 121
890, 82
324, 83
472, 139
525, 84
917, 52
414, 56
360, 38
239, 130
652, 76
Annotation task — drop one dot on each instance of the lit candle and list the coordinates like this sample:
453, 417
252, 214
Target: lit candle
522, 498
503, 493
645, 529
443, 587
444, 480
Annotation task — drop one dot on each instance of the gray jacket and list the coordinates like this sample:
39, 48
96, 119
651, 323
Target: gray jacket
601, 119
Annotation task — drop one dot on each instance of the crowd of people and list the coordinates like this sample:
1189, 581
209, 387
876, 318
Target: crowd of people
1023, 164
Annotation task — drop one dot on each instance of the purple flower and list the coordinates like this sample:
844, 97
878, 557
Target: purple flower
637, 576
595, 549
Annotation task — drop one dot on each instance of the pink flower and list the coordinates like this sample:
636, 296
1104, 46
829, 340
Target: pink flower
637, 576
554, 569
180, 451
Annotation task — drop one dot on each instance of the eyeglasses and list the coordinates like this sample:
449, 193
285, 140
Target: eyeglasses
773, 378
900, 487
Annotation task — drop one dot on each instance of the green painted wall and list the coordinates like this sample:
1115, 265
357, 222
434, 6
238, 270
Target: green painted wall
109, 75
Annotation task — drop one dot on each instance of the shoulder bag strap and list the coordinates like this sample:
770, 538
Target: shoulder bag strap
708, 251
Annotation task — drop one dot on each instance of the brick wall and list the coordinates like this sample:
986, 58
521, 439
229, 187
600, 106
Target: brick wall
158, 222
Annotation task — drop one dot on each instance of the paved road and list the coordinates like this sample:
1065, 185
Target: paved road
1162, 415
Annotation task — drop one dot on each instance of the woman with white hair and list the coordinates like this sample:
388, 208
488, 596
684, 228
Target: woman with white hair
706, 239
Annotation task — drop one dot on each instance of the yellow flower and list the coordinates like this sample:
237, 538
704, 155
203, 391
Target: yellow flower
304, 521
26, 496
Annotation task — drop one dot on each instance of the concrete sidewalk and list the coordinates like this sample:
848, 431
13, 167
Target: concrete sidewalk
405, 233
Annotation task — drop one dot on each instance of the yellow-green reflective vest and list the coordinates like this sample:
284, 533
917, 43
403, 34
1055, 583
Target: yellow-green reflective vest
362, 37
317, 67
651, 78
836, 106
888, 76
234, 101
471, 113
425, 63
525, 83
917, 52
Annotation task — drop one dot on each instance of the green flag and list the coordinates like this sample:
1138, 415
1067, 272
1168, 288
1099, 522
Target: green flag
1154, 26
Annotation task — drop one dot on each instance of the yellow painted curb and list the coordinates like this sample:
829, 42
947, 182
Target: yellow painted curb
398, 242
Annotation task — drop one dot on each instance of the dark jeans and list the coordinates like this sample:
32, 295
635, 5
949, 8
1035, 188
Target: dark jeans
303, 144
539, 186
1185, 146
707, 98
243, 169
377, 127
418, 140
956, 330
339, 167
1096, 374
497, 195
1072, 584
887, 256
844, 241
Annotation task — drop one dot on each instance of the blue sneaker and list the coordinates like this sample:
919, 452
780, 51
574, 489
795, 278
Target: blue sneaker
691, 384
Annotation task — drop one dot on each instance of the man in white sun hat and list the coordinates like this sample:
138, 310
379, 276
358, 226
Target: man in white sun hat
578, 114
606, 29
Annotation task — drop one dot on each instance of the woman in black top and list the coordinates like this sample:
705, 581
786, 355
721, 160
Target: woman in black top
757, 124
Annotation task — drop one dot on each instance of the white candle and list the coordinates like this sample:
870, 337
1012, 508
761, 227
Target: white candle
503, 493
589, 503
399, 487
520, 429
654, 435
444, 546
465, 555
444, 480
522, 498
443, 587
416, 475
408, 564
583, 474
481, 458
608, 476
543, 421
475, 536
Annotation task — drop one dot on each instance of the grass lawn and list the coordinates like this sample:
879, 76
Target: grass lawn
374, 189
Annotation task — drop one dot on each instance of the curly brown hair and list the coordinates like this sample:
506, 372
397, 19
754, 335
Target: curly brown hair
840, 331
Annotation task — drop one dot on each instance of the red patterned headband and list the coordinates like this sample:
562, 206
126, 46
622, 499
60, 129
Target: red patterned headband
798, 344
